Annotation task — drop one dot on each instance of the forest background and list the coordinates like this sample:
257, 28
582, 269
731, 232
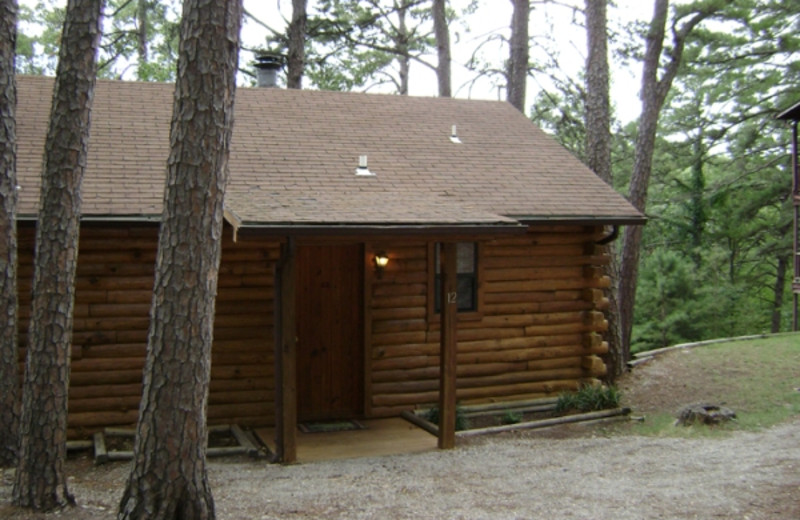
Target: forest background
716, 257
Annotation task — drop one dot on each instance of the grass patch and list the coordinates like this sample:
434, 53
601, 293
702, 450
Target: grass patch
757, 379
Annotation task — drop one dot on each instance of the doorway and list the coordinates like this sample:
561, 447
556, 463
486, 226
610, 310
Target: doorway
330, 346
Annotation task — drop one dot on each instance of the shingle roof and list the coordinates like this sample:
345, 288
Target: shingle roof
294, 155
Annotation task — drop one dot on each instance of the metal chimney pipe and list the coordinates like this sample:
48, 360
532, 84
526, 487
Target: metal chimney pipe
267, 66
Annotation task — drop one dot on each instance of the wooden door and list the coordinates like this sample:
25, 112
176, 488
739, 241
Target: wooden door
330, 351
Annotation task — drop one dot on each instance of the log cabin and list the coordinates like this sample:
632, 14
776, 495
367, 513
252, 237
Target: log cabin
380, 253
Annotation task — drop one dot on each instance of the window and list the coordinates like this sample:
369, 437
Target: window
467, 277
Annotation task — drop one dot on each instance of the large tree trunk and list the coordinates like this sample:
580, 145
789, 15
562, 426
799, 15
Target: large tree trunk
642, 165
168, 478
401, 41
143, 31
442, 47
9, 378
653, 93
40, 482
517, 70
598, 111
297, 45
598, 157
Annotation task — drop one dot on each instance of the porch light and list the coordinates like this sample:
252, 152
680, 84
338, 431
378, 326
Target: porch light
381, 260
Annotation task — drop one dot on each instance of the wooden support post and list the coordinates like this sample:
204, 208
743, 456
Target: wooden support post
796, 227
447, 367
286, 355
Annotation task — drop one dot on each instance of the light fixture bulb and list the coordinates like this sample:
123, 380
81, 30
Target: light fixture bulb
381, 259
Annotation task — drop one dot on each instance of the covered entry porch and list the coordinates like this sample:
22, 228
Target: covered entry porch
292, 375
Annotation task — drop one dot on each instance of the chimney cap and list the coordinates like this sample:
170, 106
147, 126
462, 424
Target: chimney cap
267, 66
269, 61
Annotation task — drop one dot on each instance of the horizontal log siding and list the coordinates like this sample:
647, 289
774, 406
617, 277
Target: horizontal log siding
242, 376
111, 318
537, 333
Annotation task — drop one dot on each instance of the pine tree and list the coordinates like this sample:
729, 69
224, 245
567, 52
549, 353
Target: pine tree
168, 479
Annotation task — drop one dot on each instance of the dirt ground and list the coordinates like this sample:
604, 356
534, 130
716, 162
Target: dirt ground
571, 472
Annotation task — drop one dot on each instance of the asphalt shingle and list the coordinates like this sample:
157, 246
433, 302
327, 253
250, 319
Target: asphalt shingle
294, 155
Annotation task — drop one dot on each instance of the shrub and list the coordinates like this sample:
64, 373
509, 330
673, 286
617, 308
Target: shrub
589, 398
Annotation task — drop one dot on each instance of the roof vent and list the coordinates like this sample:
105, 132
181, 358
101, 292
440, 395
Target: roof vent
362, 170
267, 66
454, 135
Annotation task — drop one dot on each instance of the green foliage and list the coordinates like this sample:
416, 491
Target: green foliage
360, 44
665, 295
718, 204
39, 37
512, 417
140, 39
589, 398
560, 114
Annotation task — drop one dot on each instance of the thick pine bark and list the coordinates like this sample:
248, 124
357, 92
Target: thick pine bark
9, 378
40, 482
518, 56
598, 156
653, 93
442, 47
297, 41
642, 165
598, 111
168, 478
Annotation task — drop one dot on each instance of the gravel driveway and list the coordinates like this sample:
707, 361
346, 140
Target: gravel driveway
583, 476
755, 476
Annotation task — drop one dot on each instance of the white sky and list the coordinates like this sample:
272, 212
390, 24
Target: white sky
493, 16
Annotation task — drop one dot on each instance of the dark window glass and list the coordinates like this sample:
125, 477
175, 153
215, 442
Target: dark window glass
467, 282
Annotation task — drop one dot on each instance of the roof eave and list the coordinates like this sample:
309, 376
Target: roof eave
33, 217
583, 220
790, 114
375, 229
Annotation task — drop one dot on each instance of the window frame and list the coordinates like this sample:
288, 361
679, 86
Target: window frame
434, 315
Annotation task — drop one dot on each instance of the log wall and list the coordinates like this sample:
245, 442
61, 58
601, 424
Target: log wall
112, 304
537, 331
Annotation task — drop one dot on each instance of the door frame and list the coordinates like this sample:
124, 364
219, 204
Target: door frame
358, 389
285, 344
